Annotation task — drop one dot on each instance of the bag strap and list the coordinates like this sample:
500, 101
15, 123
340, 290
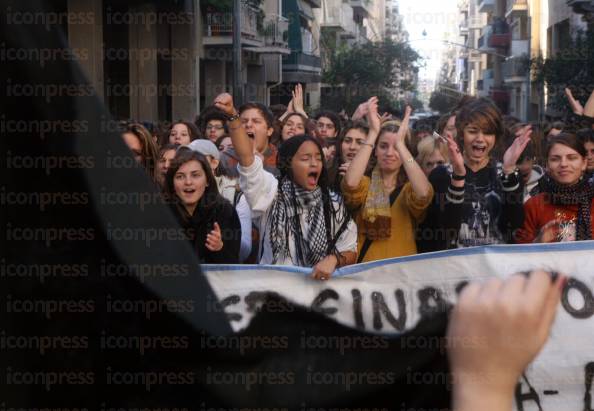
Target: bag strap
367, 243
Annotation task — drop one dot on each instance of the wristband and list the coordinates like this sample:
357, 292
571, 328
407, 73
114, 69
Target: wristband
456, 177
368, 144
232, 118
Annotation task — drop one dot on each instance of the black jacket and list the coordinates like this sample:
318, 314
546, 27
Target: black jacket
487, 211
202, 222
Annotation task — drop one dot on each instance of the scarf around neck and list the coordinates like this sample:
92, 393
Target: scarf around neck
377, 217
579, 194
285, 225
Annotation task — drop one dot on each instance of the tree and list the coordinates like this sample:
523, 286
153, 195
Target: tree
363, 70
570, 67
444, 99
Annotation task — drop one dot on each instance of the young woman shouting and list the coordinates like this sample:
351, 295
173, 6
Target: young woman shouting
302, 222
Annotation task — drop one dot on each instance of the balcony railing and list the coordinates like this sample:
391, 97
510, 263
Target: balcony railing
518, 48
500, 40
301, 59
495, 36
516, 68
276, 31
337, 14
221, 23
463, 27
483, 41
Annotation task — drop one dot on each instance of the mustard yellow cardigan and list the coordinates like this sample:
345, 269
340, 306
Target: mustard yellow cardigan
407, 212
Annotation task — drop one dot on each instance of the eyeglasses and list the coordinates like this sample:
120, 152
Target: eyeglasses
214, 127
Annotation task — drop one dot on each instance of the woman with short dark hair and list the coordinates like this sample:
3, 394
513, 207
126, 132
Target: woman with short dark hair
478, 203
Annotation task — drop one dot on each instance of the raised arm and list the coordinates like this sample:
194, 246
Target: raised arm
416, 176
485, 374
298, 104
358, 165
589, 107
575, 105
243, 145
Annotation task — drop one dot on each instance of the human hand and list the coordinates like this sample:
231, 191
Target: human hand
324, 269
496, 329
456, 157
214, 241
329, 153
549, 232
224, 102
513, 153
361, 111
385, 117
403, 129
373, 118
575, 105
298, 99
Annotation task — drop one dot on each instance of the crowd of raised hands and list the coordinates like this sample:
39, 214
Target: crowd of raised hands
275, 185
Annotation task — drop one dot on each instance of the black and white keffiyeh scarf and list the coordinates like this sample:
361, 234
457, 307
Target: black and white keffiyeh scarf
580, 194
322, 220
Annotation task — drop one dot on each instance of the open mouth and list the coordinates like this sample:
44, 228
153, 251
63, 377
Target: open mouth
312, 178
250, 134
189, 191
479, 149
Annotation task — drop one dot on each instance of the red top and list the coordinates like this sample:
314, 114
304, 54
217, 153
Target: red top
538, 211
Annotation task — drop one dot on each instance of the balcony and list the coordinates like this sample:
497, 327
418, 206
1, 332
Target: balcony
483, 41
276, 35
518, 48
495, 36
218, 28
486, 6
463, 27
500, 40
337, 15
516, 8
516, 69
485, 84
299, 67
361, 8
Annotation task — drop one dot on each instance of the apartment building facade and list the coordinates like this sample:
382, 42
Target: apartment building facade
504, 35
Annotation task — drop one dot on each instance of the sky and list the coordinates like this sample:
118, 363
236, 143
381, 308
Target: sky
438, 18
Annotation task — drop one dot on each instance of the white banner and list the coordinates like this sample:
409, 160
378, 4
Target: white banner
389, 296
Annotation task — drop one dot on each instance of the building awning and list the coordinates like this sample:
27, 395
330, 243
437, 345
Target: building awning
305, 9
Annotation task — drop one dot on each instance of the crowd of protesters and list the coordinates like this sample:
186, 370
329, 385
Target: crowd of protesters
252, 186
